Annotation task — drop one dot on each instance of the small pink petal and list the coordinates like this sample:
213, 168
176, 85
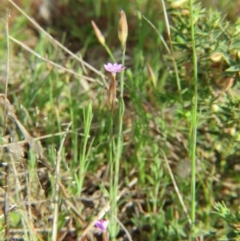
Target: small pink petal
114, 68
102, 225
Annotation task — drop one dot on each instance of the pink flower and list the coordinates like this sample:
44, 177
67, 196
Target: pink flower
102, 225
114, 68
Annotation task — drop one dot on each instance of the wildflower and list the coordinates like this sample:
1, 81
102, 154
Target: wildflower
114, 68
122, 28
102, 225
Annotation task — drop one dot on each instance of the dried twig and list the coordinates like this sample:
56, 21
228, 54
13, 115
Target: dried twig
83, 77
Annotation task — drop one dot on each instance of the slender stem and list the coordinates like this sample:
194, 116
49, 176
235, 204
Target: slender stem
119, 148
7, 183
7, 68
158, 33
194, 124
110, 53
172, 52
56, 194
120, 124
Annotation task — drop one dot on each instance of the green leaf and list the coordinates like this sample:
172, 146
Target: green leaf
234, 68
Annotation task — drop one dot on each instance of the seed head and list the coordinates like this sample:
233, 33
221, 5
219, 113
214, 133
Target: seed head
122, 28
98, 33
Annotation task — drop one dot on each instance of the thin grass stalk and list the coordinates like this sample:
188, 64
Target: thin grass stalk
6, 195
6, 203
176, 188
30, 189
56, 194
194, 125
109, 52
74, 134
7, 68
172, 52
58, 120
51, 97
83, 159
124, 229
160, 36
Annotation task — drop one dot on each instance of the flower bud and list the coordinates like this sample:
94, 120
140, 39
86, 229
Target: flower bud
225, 82
215, 108
178, 3
122, 28
98, 33
216, 57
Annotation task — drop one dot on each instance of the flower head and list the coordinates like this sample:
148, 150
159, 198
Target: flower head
114, 68
102, 225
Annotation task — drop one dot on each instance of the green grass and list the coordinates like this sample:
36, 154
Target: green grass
162, 165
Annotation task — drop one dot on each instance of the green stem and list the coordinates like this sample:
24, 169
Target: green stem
172, 52
110, 53
194, 125
120, 120
118, 152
